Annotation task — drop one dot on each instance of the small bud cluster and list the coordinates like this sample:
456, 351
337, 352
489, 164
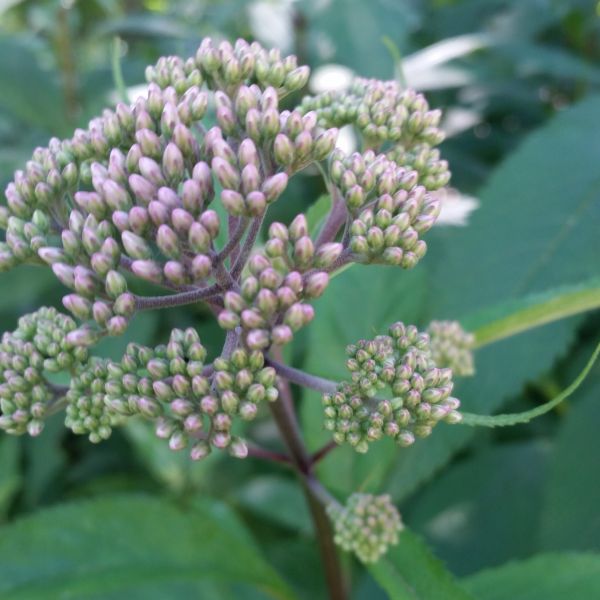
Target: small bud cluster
387, 115
40, 344
390, 211
171, 385
226, 66
270, 305
452, 347
87, 413
414, 392
366, 525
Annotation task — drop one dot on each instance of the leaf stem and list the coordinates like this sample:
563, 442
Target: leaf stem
528, 415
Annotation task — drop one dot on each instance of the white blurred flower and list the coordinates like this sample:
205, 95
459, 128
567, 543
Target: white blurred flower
331, 78
456, 207
133, 93
271, 22
457, 119
347, 141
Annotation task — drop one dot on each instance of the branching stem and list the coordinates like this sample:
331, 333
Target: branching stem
325, 386
180, 299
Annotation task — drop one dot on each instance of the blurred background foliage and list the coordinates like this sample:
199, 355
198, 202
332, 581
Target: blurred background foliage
519, 82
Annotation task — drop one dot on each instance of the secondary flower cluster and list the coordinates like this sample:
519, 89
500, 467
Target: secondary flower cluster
270, 305
397, 120
192, 404
42, 343
452, 346
366, 525
389, 210
226, 66
396, 390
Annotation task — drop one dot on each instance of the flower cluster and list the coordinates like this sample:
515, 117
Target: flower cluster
191, 403
226, 66
174, 190
396, 390
42, 343
366, 525
388, 116
452, 346
270, 305
389, 210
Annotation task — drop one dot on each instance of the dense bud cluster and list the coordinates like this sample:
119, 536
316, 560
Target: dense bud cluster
452, 346
388, 117
270, 305
226, 66
192, 404
134, 192
42, 343
390, 211
174, 190
366, 525
87, 412
396, 390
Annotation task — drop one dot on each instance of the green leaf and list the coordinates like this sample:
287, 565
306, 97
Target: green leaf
29, 92
353, 30
469, 518
410, 572
172, 469
537, 229
131, 547
277, 500
544, 577
361, 302
570, 506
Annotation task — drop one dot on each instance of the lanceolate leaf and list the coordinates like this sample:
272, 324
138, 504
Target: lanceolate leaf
536, 230
131, 547
410, 572
545, 577
532, 311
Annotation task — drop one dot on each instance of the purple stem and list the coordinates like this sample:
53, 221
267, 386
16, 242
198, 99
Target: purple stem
238, 267
180, 299
336, 218
325, 386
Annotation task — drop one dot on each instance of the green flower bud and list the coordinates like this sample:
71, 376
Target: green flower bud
367, 525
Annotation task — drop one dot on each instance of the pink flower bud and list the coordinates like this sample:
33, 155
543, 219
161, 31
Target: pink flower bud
283, 150
281, 335
316, 284
256, 203
173, 165
274, 186
201, 267
257, 339
147, 269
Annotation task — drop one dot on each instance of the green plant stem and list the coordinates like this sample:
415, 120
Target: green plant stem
117, 71
525, 417
285, 418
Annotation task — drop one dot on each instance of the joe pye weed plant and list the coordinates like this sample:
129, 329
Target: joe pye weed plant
174, 191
